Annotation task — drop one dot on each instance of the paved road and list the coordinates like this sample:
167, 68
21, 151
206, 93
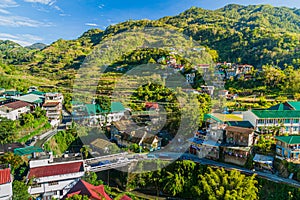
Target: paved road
204, 161
43, 138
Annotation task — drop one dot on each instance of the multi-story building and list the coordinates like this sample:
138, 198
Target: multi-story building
53, 110
53, 180
6, 180
285, 115
239, 136
98, 116
288, 147
53, 105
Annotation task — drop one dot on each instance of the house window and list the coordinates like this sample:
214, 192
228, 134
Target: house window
287, 121
53, 183
296, 121
36, 185
287, 129
260, 121
271, 121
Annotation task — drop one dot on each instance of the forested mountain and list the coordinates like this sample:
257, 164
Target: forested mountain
256, 34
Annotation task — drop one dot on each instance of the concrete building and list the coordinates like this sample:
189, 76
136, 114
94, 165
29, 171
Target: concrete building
6, 180
53, 180
288, 147
285, 115
14, 110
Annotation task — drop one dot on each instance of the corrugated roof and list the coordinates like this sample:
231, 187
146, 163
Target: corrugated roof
5, 176
246, 131
93, 192
276, 114
244, 124
294, 104
93, 109
27, 150
53, 170
117, 107
16, 105
294, 139
30, 98
38, 93
50, 104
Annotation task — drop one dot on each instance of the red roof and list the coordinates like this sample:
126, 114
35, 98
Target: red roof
50, 104
53, 170
93, 192
125, 197
17, 104
152, 105
5, 176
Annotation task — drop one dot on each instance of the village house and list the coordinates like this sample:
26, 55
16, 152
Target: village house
98, 116
86, 189
53, 105
53, 180
236, 155
14, 110
53, 110
126, 133
6, 180
34, 99
286, 116
204, 148
288, 147
239, 136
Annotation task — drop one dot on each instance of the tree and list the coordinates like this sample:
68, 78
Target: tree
14, 160
78, 197
92, 178
85, 150
20, 191
218, 184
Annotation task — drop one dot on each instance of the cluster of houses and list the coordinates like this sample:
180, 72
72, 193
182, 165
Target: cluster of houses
232, 70
233, 141
124, 131
57, 178
13, 104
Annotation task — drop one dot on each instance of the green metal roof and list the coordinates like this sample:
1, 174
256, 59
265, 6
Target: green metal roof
294, 139
27, 150
243, 124
38, 93
295, 104
117, 107
275, 114
280, 107
12, 93
94, 109
30, 98
209, 116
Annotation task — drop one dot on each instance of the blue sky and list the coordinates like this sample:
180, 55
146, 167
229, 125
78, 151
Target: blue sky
31, 21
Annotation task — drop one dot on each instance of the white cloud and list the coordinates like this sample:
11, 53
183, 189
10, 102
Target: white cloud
22, 39
3, 11
19, 21
46, 2
8, 4
91, 24
101, 6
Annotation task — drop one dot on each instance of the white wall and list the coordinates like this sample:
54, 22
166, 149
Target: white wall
249, 116
6, 191
14, 114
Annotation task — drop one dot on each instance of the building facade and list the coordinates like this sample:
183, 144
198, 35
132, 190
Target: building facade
54, 180
6, 180
288, 147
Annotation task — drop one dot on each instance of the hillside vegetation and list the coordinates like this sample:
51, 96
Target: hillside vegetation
256, 34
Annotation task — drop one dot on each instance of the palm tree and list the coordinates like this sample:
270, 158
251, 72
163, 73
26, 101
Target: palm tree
85, 150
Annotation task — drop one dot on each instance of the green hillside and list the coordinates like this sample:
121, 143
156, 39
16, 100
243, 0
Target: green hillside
256, 34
